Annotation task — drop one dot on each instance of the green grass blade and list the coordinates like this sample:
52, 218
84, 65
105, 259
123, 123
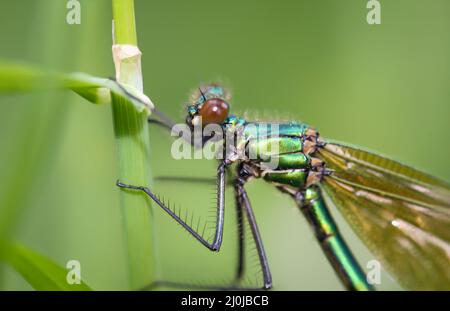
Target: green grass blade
39, 271
133, 150
22, 78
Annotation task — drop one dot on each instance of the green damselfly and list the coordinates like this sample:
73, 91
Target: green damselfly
400, 213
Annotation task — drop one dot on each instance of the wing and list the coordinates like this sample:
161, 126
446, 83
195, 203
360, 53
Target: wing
400, 213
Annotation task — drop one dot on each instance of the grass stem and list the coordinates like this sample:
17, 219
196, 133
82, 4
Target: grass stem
131, 131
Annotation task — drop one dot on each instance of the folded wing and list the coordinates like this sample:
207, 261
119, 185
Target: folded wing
401, 214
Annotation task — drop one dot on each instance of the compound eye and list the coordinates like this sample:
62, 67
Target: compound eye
214, 110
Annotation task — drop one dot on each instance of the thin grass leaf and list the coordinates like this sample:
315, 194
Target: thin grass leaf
133, 150
22, 78
39, 271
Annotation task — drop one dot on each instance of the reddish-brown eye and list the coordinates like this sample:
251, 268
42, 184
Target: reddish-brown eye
213, 110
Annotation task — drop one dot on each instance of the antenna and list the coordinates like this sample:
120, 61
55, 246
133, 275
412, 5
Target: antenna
203, 95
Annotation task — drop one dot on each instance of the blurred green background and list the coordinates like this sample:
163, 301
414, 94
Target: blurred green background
385, 87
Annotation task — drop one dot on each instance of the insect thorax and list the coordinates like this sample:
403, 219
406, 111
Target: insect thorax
280, 153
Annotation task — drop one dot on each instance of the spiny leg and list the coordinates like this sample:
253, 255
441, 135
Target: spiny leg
240, 232
240, 227
327, 233
240, 264
239, 215
244, 202
217, 242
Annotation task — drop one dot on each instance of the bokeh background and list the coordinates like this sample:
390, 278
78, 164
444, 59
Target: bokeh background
385, 87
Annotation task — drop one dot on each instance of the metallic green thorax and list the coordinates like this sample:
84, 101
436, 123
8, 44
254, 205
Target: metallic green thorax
283, 143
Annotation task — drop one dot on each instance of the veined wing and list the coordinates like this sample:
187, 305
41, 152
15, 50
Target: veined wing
401, 214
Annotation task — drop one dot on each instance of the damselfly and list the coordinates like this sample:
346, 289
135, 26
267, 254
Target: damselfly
400, 213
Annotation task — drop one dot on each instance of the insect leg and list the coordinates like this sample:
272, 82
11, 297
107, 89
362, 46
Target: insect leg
240, 265
244, 203
327, 233
166, 123
240, 232
189, 179
215, 245
162, 119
